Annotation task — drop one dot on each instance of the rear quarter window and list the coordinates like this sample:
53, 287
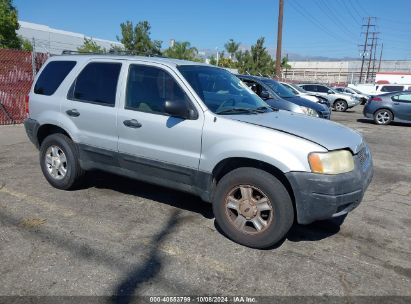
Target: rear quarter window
52, 76
392, 88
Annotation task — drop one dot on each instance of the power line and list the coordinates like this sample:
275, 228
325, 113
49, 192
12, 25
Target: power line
344, 2
333, 17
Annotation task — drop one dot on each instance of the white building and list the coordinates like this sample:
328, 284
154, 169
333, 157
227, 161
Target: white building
54, 41
341, 71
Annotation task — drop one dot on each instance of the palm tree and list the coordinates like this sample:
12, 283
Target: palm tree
232, 47
181, 50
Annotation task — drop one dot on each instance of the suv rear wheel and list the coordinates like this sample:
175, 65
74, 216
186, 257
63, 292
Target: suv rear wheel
253, 208
59, 162
340, 105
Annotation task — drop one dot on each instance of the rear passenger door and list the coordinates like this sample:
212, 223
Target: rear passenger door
151, 142
90, 106
402, 106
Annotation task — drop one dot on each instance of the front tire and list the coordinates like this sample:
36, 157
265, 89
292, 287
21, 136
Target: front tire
253, 208
59, 161
340, 105
383, 117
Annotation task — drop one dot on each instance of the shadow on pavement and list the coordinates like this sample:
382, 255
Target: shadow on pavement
149, 269
394, 123
315, 231
178, 199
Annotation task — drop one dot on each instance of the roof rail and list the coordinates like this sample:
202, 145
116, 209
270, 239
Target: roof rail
111, 52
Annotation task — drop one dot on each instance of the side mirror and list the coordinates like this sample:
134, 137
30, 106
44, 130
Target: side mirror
264, 95
178, 108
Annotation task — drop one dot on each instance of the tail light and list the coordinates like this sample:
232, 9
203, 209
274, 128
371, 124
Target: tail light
376, 99
27, 104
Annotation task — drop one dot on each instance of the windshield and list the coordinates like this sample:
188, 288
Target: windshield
300, 89
278, 88
221, 91
356, 91
290, 88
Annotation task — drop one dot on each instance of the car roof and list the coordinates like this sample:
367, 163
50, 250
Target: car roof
162, 60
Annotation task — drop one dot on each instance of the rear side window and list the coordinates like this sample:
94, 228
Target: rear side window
97, 83
52, 76
309, 87
391, 88
322, 89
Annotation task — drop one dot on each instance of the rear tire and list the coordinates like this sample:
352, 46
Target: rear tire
383, 117
340, 105
253, 208
59, 161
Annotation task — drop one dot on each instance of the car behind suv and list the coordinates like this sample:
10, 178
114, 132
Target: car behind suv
199, 129
278, 96
340, 102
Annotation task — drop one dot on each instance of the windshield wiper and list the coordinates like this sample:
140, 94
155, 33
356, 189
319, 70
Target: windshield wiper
237, 110
263, 109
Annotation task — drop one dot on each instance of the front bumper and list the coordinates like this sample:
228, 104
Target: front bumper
321, 196
354, 102
32, 126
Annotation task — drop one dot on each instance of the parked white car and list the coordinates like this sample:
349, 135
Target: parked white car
296, 90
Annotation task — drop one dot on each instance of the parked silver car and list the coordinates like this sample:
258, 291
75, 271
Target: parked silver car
340, 102
354, 93
199, 129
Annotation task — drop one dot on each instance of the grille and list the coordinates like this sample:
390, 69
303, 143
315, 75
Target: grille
363, 156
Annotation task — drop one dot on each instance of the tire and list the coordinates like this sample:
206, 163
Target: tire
53, 151
260, 185
383, 117
340, 105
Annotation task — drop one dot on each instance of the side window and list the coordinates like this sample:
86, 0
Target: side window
339, 89
52, 76
255, 87
391, 88
310, 87
322, 89
96, 83
148, 88
404, 98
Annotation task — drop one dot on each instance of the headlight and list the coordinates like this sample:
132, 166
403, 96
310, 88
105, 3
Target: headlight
309, 111
334, 162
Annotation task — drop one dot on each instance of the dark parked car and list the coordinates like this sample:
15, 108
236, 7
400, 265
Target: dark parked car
385, 108
277, 96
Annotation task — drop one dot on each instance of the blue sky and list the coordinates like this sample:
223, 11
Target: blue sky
329, 28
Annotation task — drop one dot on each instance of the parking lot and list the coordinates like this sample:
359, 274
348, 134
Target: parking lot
119, 236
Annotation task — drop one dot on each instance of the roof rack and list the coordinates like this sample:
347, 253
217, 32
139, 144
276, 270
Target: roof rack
111, 52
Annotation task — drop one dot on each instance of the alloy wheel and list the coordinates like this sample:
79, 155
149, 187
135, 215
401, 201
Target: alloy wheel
56, 162
248, 209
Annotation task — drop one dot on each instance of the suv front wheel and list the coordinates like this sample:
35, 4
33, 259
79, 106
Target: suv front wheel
59, 161
253, 208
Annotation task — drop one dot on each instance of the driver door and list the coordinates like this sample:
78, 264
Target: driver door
151, 141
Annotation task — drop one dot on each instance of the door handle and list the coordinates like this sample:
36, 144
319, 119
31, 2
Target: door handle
396, 103
73, 113
132, 123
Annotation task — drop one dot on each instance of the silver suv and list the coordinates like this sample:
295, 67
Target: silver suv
199, 129
340, 102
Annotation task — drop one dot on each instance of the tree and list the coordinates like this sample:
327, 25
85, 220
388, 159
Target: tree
90, 46
256, 61
8, 25
181, 50
285, 64
137, 39
116, 49
26, 44
231, 47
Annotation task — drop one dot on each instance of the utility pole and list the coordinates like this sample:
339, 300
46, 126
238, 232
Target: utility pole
379, 64
365, 47
374, 59
371, 53
33, 57
279, 39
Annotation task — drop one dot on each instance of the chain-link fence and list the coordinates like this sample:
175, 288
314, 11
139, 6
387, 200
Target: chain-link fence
17, 70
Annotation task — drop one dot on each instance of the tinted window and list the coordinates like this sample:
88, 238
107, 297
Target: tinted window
339, 90
97, 83
52, 76
309, 87
148, 88
322, 89
391, 88
405, 98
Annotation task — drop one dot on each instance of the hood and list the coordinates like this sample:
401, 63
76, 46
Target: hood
305, 103
328, 134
